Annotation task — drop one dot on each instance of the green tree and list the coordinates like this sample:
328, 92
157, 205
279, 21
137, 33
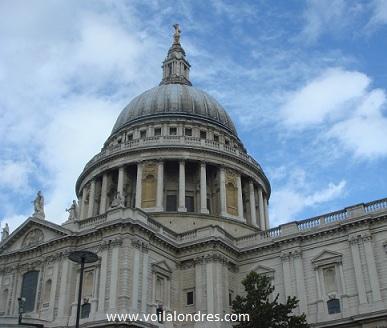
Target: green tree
263, 312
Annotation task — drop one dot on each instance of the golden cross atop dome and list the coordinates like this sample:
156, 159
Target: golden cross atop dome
176, 36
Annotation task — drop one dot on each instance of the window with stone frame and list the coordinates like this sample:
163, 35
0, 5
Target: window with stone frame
161, 284
330, 284
157, 132
28, 290
171, 200
190, 297
173, 131
188, 132
142, 134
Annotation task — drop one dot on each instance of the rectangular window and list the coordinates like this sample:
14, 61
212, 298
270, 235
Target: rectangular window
188, 132
171, 203
203, 134
130, 136
227, 142
189, 203
216, 138
190, 298
334, 306
143, 134
157, 132
172, 131
28, 290
230, 299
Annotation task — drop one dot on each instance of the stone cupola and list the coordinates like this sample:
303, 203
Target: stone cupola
175, 66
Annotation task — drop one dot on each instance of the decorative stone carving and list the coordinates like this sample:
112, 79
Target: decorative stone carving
118, 201
140, 244
39, 206
33, 238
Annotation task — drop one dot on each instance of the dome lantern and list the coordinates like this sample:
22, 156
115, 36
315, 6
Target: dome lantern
175, 66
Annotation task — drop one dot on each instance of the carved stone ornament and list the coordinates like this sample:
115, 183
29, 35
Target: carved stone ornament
33, 237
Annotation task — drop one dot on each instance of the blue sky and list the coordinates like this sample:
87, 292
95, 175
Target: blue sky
304, 81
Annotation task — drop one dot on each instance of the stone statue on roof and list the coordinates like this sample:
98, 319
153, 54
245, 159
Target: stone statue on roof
39, 206
73, 211
5, 232
176, 36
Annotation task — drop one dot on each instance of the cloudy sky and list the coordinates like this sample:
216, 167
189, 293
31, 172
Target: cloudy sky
304, 81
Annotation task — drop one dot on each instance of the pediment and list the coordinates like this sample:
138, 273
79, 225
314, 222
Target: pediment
263, 269
162, 267
32, 233
327, 257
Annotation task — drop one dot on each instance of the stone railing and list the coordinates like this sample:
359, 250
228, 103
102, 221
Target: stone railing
171, 141
376, 205
295, 227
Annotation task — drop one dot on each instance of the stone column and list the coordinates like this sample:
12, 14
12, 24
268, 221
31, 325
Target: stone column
63, 290
90, 211
300, 281
371, 266
102, 205
160, 186
286, 274
253, 212
144, 292
114, 279
136, 275
121, 180
139, 185
182, 207
266, 211
262, 222
83, 203
203, 188
358, 270
102, 283
240, 199
210, 286
222, 190
199, 285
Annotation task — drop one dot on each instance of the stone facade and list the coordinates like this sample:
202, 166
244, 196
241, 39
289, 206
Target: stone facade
177, 212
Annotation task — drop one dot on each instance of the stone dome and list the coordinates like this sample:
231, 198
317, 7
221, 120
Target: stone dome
174, 100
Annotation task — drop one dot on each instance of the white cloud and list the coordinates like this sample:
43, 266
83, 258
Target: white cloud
321, 16
344, 108
65, 73
329, 94
296, 195
379, 14
15, 175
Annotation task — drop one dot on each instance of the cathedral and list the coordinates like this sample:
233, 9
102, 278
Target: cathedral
177, 212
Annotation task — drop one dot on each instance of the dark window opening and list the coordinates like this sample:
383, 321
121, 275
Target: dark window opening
130, 136
227, 142
190, 298
157, 132
229, 299
143, 134
188, 132
171, 203
189, 203
28, 291
173, 131
203, 134
85, 310
333, 306
216, 138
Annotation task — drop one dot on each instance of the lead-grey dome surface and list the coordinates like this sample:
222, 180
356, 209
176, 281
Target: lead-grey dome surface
174, 100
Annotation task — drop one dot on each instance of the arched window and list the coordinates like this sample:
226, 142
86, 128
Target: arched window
47, 292
85, 310
3, 301
28, 291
